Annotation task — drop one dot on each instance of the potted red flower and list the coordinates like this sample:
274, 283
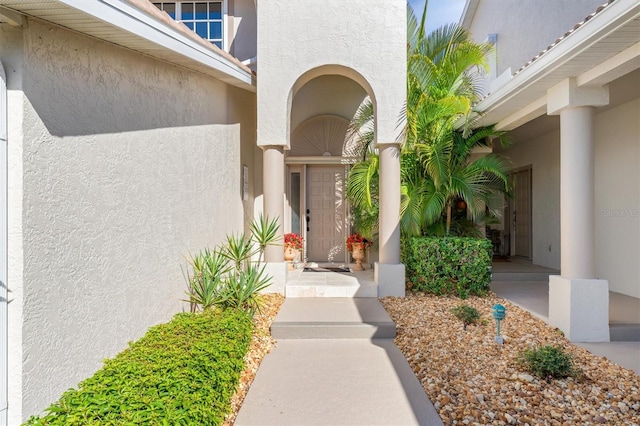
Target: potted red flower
294, 240
357, 245
357, 239
292, 243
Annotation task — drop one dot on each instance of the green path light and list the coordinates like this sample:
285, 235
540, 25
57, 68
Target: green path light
499, 313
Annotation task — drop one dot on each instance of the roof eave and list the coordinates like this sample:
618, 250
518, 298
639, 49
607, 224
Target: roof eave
532, 77
164, 41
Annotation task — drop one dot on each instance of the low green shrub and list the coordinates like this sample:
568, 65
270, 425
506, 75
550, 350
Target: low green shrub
182, 372
547, 362
467, 314
448, 266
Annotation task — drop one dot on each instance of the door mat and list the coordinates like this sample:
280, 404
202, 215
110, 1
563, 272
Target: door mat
328, 269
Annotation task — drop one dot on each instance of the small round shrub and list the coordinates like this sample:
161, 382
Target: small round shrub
465, 313
547, 362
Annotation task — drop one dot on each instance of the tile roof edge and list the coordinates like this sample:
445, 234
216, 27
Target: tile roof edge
564, 36
147, 7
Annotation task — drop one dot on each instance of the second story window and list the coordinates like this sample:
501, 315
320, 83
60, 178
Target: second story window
205, 18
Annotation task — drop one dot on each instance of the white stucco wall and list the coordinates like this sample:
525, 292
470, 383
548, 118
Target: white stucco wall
11, 57
327, 94
617, 197
297, 36
243, 27
128, 164
542, 153
525, 28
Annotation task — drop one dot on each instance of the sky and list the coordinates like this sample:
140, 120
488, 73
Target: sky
440, 12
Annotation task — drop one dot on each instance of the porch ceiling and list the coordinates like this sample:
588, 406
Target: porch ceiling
139, 26
600, 51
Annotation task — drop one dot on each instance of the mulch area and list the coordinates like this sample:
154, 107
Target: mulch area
472, 380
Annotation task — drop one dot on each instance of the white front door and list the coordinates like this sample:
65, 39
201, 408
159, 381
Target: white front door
326, 213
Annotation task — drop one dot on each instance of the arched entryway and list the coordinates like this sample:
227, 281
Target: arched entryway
321, 152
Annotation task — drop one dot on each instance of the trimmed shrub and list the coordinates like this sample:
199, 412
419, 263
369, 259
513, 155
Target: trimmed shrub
548, 362
448, 266
182, 372
465, 313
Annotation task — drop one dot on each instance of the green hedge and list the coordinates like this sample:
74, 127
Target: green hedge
182, 372
448, 266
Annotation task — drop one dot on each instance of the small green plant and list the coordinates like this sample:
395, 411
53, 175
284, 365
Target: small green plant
467, 314
548, 362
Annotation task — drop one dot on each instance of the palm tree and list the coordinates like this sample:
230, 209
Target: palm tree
453, 176
442, 86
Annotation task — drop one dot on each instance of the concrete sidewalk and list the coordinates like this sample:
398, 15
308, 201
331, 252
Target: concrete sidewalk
341, 380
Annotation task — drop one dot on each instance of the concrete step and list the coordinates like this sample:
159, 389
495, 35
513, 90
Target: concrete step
331, 284
333, 318
327, 289
521, 276
624, 332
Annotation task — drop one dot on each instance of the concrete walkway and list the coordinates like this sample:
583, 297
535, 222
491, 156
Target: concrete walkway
339, 378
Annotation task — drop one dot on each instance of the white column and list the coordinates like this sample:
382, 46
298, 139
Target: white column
273, 199
273, 188
389, 272
389, 226
578, 302
576, 193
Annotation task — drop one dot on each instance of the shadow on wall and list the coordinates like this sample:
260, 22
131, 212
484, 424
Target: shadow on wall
82, 86
244, 43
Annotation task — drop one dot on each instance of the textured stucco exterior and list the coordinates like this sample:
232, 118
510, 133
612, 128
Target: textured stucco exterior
542, 154
617, 197
525, 28
297, 37
602, 78
326, 95
242, 25
616, 190
120, 165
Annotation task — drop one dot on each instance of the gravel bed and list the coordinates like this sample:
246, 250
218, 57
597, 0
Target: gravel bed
261, 344
472, 380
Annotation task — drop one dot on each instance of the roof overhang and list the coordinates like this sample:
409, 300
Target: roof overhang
601, 50
139, 26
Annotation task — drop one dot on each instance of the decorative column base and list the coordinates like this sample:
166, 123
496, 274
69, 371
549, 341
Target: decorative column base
390, 279
278, 273
580, 308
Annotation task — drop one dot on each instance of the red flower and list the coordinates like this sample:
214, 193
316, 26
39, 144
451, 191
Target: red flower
357, 239
293, 240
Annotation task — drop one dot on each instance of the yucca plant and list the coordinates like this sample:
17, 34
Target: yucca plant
238, 250
227, 277
264, 232
205, 285
241, 291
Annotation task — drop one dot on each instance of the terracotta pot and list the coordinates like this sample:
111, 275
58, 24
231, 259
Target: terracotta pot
358, 254
290, 253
